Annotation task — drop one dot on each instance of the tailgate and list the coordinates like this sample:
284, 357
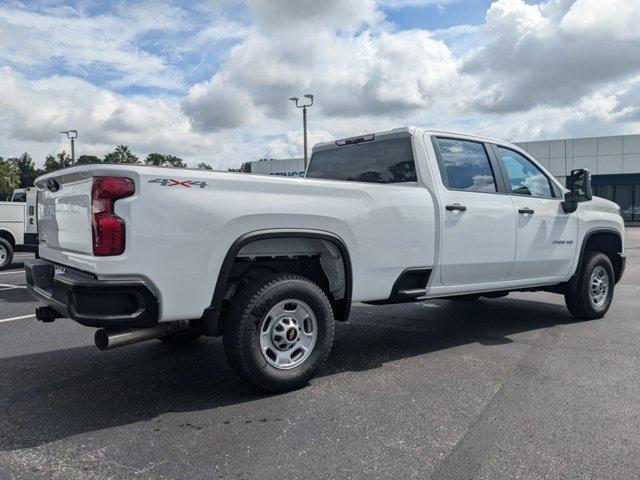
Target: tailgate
64, 213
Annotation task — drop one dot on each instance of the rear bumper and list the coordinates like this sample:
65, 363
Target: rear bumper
89, 301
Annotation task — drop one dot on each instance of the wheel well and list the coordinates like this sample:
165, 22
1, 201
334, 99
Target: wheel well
319, 260
608, 243
7, 235
321, 256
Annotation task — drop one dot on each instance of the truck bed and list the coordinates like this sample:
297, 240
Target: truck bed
180, 224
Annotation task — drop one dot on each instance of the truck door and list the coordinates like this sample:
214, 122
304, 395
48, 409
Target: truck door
546, 236
478, 236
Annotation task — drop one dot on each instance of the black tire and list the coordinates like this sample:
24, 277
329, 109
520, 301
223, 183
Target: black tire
241, 331
579, 302
5, 246
466, 298
182, 336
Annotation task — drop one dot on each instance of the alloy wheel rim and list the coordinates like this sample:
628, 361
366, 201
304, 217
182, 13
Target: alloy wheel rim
599, 286
288, 333
3, 253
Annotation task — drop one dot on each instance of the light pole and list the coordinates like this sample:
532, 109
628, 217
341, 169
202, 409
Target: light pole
304, 121
72, 135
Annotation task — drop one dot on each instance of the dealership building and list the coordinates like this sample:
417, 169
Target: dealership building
614, 163
288, 167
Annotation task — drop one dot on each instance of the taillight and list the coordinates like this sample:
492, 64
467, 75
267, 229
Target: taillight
107, 227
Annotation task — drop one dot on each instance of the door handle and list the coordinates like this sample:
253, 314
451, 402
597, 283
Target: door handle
526, 211
456, 207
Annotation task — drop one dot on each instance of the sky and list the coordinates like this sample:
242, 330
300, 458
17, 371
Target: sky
209, 81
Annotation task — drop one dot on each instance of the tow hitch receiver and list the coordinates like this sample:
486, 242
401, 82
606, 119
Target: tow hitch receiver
47, 314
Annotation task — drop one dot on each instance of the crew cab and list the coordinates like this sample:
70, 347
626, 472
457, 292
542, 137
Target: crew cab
270, 263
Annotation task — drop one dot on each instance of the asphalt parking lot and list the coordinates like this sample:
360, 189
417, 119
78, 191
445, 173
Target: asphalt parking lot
502, 388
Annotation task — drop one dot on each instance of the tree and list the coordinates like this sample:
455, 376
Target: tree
86, 159
26, 168
245, 168
204, 166
161, 160
61, 160
173, 161
9, 178
156, 159
121, 154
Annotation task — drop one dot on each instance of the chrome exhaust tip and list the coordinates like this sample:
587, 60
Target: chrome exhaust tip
109, 338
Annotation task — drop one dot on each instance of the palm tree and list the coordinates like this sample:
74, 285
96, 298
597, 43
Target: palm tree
9, 178
125, 155
121, 154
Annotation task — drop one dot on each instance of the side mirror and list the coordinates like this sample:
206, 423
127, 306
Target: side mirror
570, 204
579, 190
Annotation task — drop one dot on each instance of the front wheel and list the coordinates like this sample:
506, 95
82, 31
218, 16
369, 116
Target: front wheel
6, 253
592, 297
279, 332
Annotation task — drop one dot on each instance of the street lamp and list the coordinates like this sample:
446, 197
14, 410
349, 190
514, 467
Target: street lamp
72, 135
304, 121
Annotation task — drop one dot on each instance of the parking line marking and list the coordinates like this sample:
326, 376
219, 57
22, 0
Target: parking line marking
11, 271
13, 319
6, 285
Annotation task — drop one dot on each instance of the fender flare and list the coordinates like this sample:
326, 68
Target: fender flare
573, 282
211, 316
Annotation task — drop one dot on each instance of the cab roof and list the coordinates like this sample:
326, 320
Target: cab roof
407, 130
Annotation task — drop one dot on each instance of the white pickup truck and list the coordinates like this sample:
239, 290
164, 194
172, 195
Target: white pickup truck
270, 263
18, 230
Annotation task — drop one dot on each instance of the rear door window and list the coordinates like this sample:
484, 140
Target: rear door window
466, 165
378, 161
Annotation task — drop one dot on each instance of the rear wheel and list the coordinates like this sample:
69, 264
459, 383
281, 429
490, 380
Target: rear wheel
279, 332
6, 253
594, 292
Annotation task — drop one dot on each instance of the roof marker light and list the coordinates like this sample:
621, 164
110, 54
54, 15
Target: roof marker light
355, 140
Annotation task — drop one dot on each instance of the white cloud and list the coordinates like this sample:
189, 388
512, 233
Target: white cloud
36, 111
413, 3
67, 37
605, 112
559, 68
290, 145
611, 19
551, 54
291, 14
352, 74
217, 104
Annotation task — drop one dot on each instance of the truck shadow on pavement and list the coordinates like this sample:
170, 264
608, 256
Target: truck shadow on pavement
55, 395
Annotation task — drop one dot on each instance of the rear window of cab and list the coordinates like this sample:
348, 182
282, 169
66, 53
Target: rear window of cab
377, 161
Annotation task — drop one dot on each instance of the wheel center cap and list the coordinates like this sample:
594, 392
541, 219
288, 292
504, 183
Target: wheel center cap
291, 334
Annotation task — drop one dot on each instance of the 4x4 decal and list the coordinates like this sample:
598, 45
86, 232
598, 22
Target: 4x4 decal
170, 182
